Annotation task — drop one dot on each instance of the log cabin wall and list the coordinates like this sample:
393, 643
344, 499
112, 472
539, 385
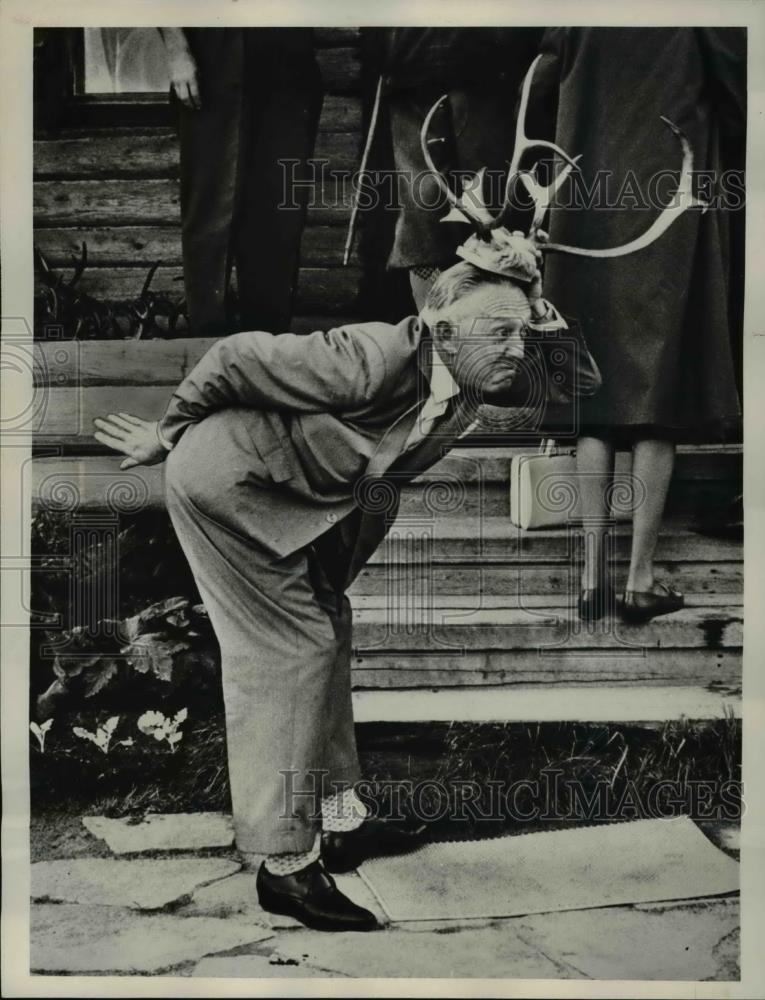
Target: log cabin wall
117, 189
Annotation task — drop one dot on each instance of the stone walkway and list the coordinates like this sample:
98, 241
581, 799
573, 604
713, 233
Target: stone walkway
195, 913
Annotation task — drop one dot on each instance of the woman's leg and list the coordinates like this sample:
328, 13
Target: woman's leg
595, 470
652, 464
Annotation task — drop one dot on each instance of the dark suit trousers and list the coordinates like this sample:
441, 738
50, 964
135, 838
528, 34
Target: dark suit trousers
284, 636
261, 99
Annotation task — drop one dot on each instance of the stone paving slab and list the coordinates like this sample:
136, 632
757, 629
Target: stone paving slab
234, 896
255, 967
139, 884
163, 832
495, 951
697, 941
72, 938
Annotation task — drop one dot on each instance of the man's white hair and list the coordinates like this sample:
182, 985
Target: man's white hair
459, 281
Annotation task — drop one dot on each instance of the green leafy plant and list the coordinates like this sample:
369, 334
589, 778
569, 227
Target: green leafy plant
162, 727
41, 731
102, 737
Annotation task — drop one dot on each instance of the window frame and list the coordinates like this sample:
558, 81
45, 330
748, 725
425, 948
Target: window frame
59, 62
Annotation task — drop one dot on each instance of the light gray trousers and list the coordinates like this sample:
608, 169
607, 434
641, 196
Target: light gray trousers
284, 636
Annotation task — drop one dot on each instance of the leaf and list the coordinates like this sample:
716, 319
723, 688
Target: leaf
97, 679
181, 716
159, 734
111, 724
174, 738
153, 615
126, 743
84, 734
36, 730
46, 725
153, 651
149, 721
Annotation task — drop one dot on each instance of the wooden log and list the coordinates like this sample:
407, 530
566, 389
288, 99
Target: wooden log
329, 291
156, 154
108, 154
129, 246
157, 202
106, 202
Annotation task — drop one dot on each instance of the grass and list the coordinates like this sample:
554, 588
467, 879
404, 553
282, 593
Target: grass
459, 776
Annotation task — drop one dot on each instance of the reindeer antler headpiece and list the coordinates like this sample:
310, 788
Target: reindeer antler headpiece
492, 247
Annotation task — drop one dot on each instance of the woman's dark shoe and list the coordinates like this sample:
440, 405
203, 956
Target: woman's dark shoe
312, 897
595, 603
640, 606
342, 852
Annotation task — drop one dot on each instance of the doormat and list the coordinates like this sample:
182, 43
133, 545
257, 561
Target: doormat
574, 869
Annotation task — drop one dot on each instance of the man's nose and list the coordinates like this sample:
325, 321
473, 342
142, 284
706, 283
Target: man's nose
513, 347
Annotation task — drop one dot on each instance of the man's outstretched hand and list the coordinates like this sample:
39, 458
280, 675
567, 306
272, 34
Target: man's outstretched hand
136, 438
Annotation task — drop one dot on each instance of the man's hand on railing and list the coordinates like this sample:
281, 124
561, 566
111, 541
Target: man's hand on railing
136, 438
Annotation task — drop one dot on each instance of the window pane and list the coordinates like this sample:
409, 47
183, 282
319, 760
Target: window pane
124, 61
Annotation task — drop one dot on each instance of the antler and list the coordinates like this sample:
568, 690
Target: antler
541, 195
494, 239
481, 220
682, 200
470, 206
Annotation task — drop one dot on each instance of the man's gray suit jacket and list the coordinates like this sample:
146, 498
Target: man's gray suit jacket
328, 415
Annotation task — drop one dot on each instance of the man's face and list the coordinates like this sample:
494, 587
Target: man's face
484, 342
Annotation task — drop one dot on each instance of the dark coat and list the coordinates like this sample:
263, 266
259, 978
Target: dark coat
657, 321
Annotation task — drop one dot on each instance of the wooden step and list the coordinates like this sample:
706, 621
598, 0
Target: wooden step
538, 642
96, 483
582, 703
502, 579
477, 669
494, 540
426, 629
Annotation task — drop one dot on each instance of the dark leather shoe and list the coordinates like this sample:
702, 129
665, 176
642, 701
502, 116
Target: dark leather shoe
342, 852
312, 897
639, 606
595, 603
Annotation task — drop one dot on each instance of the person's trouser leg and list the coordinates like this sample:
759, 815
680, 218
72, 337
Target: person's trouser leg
210, 155
274, 198
286, 689
340, 753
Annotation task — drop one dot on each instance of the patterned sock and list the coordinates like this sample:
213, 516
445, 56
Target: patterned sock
291, 861
342, 811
